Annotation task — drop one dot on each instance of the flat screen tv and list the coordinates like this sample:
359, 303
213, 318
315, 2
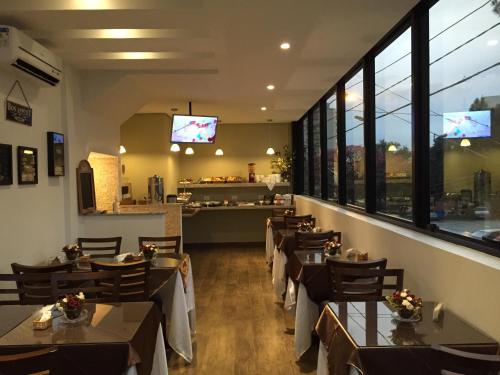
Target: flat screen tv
474, 124
193, 129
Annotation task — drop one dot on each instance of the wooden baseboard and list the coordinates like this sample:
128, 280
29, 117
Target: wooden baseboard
194, 246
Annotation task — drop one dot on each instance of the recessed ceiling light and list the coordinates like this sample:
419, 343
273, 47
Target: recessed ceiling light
285, 45
492, 42
263, 108
270, 87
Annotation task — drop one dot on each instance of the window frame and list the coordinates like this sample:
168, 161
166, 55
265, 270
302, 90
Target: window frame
418, 19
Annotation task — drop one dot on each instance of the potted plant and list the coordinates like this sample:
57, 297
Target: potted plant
332, 248
407, 305
149, 251
72, 251
72, 305
282, 163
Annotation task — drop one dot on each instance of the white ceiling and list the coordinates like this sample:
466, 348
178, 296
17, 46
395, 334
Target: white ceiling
219, 54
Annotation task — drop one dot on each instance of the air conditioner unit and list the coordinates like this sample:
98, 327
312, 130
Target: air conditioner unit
20, 51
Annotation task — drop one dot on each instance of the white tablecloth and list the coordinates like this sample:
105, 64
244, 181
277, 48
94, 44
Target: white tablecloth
269, 243
322, 368
279, 273
290, 296
306, 317
179, 309
159, 358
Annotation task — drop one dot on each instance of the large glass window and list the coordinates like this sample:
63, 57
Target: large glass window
316, 152
305, 131
465, 118
355, 144
393, 128
332, 147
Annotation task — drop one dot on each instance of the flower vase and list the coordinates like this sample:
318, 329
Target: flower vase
405, 313
72, 314
71, 255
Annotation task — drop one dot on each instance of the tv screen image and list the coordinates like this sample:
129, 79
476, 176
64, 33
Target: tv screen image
193, 129
474, 124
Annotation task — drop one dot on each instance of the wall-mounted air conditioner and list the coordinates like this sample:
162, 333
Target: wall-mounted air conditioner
20, 51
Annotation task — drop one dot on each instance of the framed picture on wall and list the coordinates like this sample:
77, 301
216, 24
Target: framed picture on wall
27, 165
5, 164
55, 151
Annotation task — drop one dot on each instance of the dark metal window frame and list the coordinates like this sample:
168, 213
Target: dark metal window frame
418, 20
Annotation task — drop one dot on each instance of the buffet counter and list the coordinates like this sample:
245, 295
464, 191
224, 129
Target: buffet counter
133, 221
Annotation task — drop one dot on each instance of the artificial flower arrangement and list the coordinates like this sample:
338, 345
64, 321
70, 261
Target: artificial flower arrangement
407, 305
72, 305
149, 251
332, 248
305, 226
72, 251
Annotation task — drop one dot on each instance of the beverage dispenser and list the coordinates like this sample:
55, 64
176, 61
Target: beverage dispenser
155, 189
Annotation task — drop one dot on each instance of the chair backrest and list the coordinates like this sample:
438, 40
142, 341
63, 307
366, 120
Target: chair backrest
98, 287
37, 362
315, 241
37, 290
100, 247
277, 212
13, 292
167, 244
292, 222
364, 284
134, 283
453, 361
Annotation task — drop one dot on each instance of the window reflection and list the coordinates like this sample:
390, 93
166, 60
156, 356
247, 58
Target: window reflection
355, 145
305, 130
332, 147
393, 113
465, 118
317, 152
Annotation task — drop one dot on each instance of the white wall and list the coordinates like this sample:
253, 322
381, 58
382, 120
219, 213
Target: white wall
467, 281
37, 220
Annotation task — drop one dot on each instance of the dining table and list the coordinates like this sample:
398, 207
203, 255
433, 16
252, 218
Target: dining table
369, 337
171, 286
116, 339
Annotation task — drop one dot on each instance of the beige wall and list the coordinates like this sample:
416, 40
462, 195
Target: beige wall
146, 138
464, 279
106, 179
242, 144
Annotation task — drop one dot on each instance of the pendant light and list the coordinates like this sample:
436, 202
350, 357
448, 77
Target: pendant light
392, 148
465, 142
123, 150
189, 151
219, 152
175, 147
270, 150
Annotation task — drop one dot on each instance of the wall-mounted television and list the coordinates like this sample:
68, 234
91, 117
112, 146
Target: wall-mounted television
474, 124
193, 129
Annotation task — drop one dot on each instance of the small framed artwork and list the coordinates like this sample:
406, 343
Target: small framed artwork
27, 165
5, 164
55, 148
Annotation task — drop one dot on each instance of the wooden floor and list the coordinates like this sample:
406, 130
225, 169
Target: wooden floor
241, 328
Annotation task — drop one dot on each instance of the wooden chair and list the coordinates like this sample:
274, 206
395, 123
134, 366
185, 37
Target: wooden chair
448, 361
333, 264
96, 247
98, 287
278, 212
315, 241
37, 291
12, 286
134, 283
164, 243
36, 362
292, 222
365, 284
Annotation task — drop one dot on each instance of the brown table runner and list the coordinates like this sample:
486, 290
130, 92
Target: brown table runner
365, 335
112, 338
